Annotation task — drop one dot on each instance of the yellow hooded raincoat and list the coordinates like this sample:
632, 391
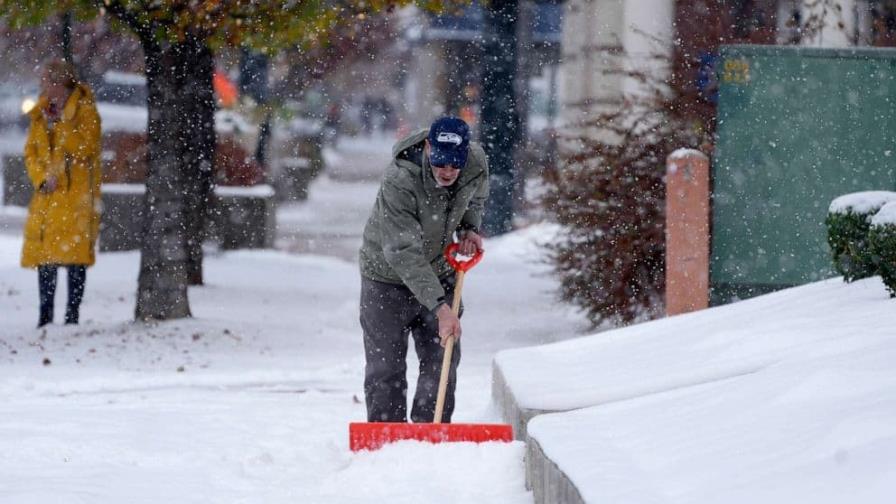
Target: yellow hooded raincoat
62, 226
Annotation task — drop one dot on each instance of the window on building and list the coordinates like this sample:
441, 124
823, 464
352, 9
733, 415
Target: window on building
883, 22
752, 20
790, 22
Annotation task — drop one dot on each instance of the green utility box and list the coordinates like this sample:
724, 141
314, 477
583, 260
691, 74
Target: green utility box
797, 127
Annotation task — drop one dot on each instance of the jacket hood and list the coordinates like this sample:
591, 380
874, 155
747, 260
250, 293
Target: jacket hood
79, 93
409, 141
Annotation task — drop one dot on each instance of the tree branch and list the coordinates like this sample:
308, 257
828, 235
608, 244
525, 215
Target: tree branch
144, 31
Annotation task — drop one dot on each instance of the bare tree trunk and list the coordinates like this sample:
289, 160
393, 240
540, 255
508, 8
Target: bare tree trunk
181, 143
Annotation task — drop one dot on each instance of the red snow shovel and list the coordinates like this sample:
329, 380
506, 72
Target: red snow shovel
373, 435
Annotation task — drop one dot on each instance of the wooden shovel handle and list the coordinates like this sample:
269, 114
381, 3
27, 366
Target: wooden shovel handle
449, 349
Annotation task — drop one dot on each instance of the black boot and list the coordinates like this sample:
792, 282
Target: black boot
46, 282
77, 277
46, 316
71, 315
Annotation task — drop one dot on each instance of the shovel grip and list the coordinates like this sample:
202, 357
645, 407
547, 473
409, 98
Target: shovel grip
461, 266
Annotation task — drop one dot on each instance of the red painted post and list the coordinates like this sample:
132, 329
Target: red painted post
687, 231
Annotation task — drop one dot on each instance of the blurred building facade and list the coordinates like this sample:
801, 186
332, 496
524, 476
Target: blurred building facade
445, 62
681, 38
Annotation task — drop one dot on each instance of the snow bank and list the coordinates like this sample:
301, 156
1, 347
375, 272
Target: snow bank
820, 427
127, 118
782, 398
691, 349
123, 189
861, 202
886, 215
134, 119
256, 191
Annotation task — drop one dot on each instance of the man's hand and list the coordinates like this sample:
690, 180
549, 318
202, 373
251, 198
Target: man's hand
470, 243
449, 324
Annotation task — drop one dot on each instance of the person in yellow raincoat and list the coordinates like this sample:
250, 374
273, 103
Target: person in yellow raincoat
62, 156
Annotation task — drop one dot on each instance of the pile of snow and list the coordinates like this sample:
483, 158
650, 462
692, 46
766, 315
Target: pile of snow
788, 397
885, 216
134, 119
861, 202
126, 118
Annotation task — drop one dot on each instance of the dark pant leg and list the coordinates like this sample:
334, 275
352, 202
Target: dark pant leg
77, 277
430, 352
46, 285
386, 311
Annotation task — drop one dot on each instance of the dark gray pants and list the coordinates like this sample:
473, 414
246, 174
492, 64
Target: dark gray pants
388, 313
46, 280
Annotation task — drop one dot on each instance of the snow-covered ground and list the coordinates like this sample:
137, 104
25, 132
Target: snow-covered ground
249, 401
789, 397
785, 398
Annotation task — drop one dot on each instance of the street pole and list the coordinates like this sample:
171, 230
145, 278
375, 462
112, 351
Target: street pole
67, 36
500, 124
253, 81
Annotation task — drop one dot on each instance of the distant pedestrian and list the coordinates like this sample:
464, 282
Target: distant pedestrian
332, 122
62, 156
435, 188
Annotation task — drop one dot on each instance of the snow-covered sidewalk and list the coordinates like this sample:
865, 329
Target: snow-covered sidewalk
788, 397
249, 401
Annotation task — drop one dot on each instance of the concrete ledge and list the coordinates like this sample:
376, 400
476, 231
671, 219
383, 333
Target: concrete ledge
548, 483
242, 217
121, 225
16, 185
238, 217
510, 410
293, 175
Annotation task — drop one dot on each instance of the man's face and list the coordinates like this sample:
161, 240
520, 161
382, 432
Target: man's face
445, 175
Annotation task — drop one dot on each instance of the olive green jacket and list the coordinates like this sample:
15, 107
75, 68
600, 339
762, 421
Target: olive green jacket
414, 219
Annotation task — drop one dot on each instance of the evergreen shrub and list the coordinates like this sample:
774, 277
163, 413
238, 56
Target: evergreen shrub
882, 245
848, 223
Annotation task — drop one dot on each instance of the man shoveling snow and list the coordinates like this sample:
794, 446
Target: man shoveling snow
435, 186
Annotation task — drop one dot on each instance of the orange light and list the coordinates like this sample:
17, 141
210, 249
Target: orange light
225, 90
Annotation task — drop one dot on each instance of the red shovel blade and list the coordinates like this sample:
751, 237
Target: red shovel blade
373, 435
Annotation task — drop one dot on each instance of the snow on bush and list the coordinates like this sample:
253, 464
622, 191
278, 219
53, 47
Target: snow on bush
848, 223
864, 202
882, 244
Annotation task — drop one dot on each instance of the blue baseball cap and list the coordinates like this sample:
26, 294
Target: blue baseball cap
449, 142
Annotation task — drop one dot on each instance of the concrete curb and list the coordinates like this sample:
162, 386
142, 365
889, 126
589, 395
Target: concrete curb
549, 484
503, 398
